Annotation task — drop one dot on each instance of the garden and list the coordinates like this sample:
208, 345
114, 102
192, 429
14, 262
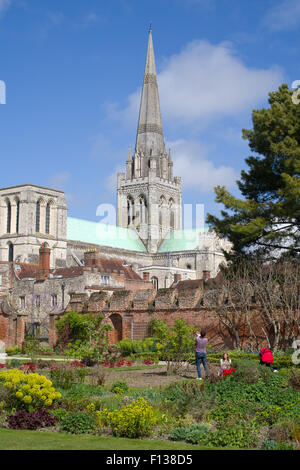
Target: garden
144, 392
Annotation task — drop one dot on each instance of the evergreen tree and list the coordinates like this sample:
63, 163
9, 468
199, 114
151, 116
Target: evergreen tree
267, 220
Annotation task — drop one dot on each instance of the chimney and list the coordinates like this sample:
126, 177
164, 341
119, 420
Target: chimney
44, 261
206, 275
146, 277
91, 258
177, 278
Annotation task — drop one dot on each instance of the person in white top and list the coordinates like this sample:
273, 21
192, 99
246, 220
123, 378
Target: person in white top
225, 363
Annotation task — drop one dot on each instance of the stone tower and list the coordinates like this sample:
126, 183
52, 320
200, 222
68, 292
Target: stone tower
31, 215
149, 197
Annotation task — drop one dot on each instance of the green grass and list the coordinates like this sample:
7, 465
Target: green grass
34, 440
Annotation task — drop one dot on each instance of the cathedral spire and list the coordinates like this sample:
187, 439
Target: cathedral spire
150, 140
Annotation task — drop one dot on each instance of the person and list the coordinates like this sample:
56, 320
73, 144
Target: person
266, 357
225, 363
200, 353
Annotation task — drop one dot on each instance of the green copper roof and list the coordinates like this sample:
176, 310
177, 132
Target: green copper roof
105, 235
181, 240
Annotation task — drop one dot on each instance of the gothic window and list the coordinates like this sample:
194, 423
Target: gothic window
10, 252
48, 210
38, 216
143, 209
130, 211
172, 220
8, 220
160, 217
18, 216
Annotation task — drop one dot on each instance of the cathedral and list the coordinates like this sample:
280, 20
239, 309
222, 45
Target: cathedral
148, 236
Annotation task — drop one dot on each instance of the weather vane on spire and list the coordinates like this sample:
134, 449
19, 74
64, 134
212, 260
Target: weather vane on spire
150, 27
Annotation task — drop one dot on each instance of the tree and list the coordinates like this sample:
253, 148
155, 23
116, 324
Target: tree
83, 336
177, 341
268, 218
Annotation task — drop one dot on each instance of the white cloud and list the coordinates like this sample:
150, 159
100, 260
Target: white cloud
284, 16
204, 82
196, 170
58, 180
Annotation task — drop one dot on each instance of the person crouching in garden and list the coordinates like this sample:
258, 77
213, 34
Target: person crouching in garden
201, 343
266, 357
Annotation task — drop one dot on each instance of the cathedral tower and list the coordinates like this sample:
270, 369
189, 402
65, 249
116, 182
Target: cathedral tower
149, 197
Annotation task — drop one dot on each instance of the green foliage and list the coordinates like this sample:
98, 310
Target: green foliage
84, 336
269, 444
59, 413
148, 345
178, 433
134, 420
119, 388
63, 377
79, 423
198, 433
176, 341
238, 436
271, 186
13, 351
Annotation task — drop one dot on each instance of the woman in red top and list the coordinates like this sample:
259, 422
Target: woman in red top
266, 357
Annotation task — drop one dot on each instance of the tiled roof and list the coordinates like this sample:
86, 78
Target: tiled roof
108, 264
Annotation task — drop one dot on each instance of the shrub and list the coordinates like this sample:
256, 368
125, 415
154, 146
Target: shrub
178, 433
59, 413
13, 351
134, 420
32, 390
269, 444
284, 446
79, 423
24, 420
119, 387
67, 375
197, 433
240, 436
62, 377
15, 363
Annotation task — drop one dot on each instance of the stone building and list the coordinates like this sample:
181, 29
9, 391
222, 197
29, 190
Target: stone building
148, 237
35, 292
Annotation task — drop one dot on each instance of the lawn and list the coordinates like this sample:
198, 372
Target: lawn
34, 440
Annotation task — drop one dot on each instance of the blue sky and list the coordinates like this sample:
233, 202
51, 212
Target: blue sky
74, 69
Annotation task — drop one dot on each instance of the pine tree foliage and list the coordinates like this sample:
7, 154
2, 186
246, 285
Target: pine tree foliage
267, 220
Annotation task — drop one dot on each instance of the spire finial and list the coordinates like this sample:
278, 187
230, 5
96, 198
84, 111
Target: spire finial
150, 27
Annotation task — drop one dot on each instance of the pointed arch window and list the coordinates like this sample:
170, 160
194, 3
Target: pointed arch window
38, 216
8, 220
48, 211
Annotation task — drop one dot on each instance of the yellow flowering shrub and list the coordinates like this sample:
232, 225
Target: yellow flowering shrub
133, 420
32, 389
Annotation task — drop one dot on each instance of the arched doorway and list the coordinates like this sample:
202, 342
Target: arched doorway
117, 334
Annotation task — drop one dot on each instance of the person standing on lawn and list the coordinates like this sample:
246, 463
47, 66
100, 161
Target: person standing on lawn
200, 353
